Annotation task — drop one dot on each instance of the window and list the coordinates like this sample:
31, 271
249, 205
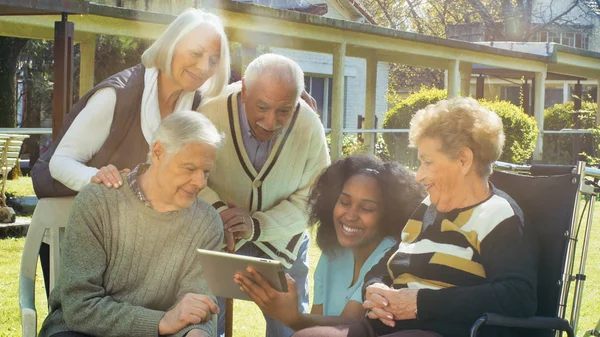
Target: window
568, 39
320, 89
571, 39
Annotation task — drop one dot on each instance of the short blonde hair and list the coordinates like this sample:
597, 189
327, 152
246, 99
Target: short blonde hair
160, 54
461, 122
277, 67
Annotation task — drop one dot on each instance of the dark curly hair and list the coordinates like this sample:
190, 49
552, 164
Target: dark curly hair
401, 195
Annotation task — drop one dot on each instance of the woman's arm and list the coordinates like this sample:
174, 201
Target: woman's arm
509, 259
353, 311
83, 140
284, 306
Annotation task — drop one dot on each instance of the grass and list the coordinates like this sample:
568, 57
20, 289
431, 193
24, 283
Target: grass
10, 263
248, 321
21, 187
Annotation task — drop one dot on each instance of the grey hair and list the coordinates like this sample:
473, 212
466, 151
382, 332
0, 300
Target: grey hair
277, 67
160, 54
184, 127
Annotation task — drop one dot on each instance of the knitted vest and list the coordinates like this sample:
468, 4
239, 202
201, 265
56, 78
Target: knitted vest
125, 146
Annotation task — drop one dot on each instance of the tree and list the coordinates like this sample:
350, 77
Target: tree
9, 53
503, 20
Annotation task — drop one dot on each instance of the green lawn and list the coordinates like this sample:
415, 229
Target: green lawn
248, 321
20, 187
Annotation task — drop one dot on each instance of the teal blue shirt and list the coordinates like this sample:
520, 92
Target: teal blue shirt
334, 273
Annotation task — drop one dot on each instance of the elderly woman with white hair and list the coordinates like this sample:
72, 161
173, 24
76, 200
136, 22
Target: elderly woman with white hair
110, 128
464, 251
129, 264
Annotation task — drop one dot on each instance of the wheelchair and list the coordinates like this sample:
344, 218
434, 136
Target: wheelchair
550, 198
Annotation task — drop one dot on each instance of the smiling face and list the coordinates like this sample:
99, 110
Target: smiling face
196, 58
269, 104
442, 176
181, 176
357, 213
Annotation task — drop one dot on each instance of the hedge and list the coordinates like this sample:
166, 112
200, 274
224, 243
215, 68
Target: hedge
520, 129
558, 149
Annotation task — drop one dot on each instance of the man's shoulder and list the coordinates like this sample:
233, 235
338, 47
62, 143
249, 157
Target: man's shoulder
92, 193
307, 117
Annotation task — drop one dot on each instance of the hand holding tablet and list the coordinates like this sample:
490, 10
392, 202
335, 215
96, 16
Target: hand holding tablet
220, 269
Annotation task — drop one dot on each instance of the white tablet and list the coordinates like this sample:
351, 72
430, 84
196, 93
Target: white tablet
219, 269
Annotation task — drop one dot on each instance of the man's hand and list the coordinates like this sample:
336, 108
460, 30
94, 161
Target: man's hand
388, 304
110, 176
197, 333
237, 224
279, 305
191, 309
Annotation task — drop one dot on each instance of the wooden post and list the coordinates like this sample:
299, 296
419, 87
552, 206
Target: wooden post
63, 72
337, 106
479, 87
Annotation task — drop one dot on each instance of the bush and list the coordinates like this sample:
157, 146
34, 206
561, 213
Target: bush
558, 148
519, 128
351, 145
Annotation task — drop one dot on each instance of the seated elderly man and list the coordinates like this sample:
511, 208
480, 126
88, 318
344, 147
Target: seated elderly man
129, 264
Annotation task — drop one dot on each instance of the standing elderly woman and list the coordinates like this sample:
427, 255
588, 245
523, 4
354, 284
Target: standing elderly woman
110, 128
129, 263
463, 252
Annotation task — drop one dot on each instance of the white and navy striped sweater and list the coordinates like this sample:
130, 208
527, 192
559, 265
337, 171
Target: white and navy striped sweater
465, 262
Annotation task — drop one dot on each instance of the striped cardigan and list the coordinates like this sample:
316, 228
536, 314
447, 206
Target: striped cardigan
277, 195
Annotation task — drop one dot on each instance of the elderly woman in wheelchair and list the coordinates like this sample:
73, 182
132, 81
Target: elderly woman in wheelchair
463, 251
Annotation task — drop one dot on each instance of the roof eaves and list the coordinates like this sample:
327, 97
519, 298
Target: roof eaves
291, 16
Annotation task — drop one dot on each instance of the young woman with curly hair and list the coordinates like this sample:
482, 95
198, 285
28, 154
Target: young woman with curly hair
359, 206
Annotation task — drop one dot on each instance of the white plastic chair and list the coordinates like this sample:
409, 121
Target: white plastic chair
50, 216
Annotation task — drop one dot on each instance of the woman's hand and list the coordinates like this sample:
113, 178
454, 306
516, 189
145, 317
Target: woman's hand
279, 305
110, 176
309, 100
388, 304
191, 309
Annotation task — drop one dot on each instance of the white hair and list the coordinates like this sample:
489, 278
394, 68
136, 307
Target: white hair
184, 127
277, 67
160, 54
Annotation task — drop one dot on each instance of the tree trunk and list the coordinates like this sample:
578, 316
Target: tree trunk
9, 53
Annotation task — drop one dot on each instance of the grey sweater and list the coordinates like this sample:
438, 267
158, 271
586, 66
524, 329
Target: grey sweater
124, 265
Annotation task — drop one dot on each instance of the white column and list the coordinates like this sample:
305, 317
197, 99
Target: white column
598, 105
371, 99
453, 78
566, 92
465, 79
87, 50
538, 112
337, 103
